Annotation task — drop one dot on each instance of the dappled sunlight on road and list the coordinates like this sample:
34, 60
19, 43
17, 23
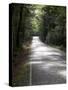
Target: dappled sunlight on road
62, 73
35, 62
48, 64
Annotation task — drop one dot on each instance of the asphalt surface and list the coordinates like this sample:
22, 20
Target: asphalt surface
47, 64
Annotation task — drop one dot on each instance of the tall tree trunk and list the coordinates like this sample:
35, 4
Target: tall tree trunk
19, 27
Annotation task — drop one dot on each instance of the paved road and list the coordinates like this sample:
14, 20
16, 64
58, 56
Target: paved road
47, 64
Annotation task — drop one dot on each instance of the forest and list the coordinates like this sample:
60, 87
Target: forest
45, 21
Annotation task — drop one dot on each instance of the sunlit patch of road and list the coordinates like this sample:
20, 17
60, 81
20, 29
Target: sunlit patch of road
47, 64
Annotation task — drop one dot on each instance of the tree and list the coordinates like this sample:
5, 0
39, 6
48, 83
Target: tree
54, 25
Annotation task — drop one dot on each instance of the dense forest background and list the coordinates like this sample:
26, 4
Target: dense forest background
47, 22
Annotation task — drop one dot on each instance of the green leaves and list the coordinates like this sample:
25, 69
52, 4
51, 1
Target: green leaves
54, 20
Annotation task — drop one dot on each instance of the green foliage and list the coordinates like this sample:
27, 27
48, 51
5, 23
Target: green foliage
54, 25
49, 22
21, 24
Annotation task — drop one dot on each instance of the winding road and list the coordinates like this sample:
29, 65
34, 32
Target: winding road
47, 64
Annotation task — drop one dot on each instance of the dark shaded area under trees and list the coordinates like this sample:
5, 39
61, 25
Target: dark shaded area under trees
21, 28
20, 24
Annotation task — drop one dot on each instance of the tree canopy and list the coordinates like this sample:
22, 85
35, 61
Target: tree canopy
48, 22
